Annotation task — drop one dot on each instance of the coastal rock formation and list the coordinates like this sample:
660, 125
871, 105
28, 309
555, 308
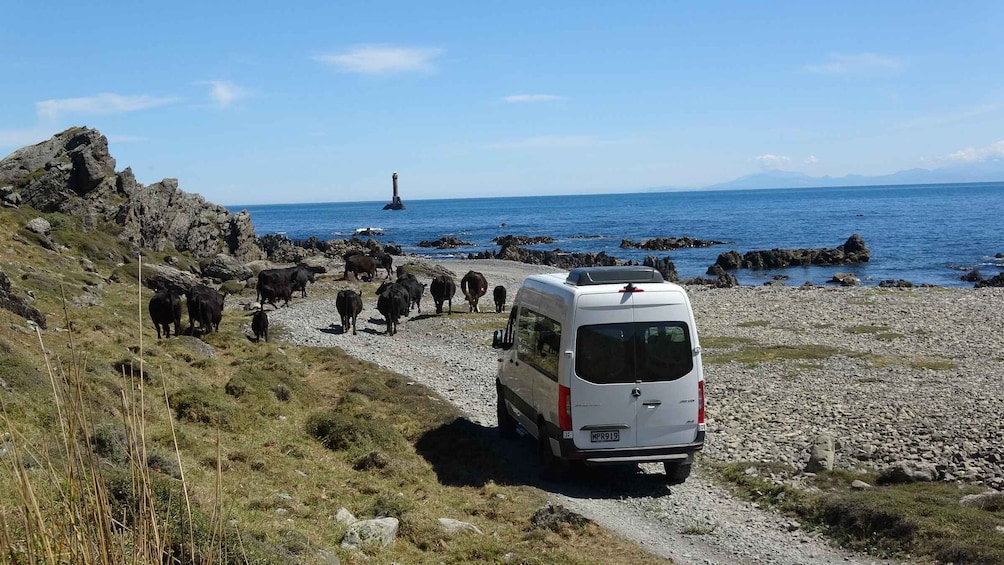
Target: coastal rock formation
74, 174
504, 240
668, 243
556, 258
852, 251
664, 266
446, 242
995, 281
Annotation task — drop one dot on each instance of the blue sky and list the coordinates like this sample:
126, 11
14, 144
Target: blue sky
268, 102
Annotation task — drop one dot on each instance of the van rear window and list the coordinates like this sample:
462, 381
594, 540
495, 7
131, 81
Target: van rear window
632, 352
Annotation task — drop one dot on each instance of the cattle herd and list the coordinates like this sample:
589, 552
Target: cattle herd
395, 298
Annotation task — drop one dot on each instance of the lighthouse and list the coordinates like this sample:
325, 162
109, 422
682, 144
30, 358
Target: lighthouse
395, 203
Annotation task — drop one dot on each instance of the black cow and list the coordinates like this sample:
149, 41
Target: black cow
499, 294
385, 260
259, 325
275, 290
474, 286
165, 309
300, 277
359, 265
443, 288
205, 306
415, 289
392, 302
349, 305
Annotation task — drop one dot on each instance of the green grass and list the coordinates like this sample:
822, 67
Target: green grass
769, 353
253, 434
754, 324
922, 520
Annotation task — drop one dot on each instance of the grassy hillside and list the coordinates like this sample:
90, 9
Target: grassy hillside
122, 448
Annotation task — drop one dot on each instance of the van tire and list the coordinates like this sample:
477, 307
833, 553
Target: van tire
552, 468
507, 424
677, 471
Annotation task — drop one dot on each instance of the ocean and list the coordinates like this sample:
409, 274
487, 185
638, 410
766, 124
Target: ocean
919, 233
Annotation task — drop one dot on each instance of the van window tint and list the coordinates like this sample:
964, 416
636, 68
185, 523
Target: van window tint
539, 341
630, 352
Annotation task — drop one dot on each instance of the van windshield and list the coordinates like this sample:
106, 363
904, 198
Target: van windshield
633, 352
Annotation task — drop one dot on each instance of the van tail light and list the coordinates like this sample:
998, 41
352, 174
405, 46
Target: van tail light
700, 402
565, 407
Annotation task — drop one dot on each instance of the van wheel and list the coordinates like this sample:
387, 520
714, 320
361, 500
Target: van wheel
677, 471
552, 467
507, 424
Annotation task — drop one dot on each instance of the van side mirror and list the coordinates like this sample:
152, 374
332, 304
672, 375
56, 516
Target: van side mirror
499, 341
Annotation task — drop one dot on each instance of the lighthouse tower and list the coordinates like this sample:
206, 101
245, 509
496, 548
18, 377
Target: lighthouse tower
395, 203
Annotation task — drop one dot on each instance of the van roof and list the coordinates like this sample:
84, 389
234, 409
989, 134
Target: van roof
587, 276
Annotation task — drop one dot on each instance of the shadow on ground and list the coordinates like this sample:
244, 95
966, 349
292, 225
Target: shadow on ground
463, 453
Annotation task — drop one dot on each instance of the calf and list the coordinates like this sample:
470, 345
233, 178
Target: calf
392, 302
259, 325
474, 286
349, 305
442, 289
205, 307
165, 309
499, 294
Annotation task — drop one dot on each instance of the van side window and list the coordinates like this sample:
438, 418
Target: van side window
539, 341
509, 336
631, 352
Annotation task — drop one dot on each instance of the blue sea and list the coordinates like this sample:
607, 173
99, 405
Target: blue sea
920, 233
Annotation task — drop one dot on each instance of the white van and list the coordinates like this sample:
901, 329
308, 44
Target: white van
603, 365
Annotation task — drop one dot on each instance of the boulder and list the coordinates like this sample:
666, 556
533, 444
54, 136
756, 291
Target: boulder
995, 281
991, 500
379, 531
666, 267
40, 226
821, 454
908, 472
224, 267
972, 276
845, 279
454, 527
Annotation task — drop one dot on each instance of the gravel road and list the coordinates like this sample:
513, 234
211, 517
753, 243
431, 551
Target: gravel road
879, 402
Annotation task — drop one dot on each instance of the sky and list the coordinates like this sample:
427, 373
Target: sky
273, 102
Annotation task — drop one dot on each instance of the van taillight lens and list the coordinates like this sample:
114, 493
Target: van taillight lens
700, 402
565, 407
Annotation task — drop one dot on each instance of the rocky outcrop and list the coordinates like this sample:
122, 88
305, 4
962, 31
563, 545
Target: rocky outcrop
504, 240
668, 243
995, 281
664, 266
556, 258
74, 174
446, 242
16, 304
851, 252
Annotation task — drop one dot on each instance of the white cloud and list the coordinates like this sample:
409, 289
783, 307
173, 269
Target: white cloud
810, 160
105, 103
548, 141
223, 93
533, 98
861, 62
977, 154
769, 161
383, 59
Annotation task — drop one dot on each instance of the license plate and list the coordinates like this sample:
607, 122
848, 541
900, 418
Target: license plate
612, 435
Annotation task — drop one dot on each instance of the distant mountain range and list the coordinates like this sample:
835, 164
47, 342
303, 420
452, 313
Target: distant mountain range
986, 171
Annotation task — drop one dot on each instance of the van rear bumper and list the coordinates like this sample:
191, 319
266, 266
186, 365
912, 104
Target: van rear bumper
614, 456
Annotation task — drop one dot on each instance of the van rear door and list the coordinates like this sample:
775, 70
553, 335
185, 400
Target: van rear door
667, 368
604, 408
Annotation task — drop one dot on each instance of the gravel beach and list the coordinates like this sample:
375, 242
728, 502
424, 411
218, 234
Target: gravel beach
894, 376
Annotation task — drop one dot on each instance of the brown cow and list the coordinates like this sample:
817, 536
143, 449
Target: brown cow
349, 305
474, 286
